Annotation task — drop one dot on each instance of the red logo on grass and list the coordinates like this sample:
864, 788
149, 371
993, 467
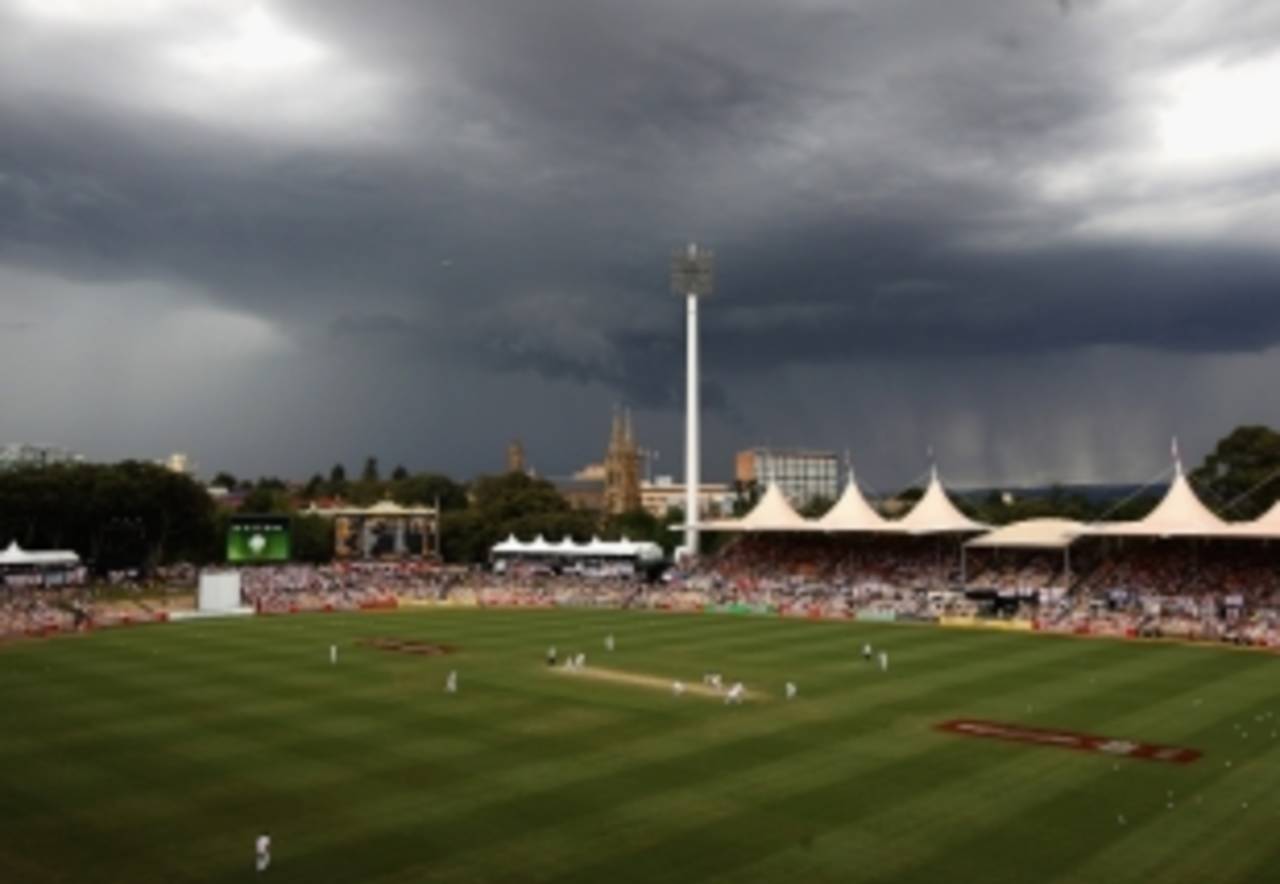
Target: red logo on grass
1018, 733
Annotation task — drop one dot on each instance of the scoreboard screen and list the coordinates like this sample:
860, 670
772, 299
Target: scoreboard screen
258, 539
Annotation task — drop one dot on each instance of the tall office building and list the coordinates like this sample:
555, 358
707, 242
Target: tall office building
802, 475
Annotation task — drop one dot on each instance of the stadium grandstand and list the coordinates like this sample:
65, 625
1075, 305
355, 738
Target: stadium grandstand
1179, 571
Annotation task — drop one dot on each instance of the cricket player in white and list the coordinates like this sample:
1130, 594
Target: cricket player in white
791, 690
451, 682
580, 661
608, 642
677, 688
866, 652
262, 851
884, 661
735, 693
333, 655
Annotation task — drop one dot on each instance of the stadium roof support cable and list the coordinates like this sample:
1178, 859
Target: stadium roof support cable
1134, 496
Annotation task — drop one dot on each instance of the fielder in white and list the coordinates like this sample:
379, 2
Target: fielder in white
792, 690
677, 688
262, 851
580, 661
884, 661
735, 694
608, 642
333, 655
451, 682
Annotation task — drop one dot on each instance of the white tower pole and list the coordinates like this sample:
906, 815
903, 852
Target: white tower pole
692, 449
692, 273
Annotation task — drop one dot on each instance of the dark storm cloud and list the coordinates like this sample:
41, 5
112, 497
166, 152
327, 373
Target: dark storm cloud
493, 188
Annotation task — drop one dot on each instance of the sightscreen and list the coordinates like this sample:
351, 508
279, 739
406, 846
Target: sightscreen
258, 539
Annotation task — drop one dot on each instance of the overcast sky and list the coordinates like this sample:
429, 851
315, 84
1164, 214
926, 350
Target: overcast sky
1037, 236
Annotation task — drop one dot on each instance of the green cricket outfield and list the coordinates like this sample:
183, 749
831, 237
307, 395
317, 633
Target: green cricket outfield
158, 754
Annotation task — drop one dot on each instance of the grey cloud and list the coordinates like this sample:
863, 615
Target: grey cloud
871, 175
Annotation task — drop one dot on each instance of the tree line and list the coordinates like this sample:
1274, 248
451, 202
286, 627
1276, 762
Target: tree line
139, 515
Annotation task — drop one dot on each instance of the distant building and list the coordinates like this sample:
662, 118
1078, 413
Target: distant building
621, 468
611, 486
178, 462
16, 456
664, 494
515, 457
802, 475
385, 530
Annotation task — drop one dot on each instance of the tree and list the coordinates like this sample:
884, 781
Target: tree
224, 480
370, 472
1242, 473
115, 516
745, 496
314, 487
817, 507
312, 539
266, 498
510, 504
424, 489
643, 525
338, 475
399, 474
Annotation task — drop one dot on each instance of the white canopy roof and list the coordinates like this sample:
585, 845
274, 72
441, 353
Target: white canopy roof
16, 555
1032, 534
852, 513
1265, 527
771, 513
567, 548
1180, 514
936, 514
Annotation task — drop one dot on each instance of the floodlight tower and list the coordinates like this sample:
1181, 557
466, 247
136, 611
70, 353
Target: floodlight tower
692, 272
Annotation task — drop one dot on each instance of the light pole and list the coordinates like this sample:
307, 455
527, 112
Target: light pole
692, 273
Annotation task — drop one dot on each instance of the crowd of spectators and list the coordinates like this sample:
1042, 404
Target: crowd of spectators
1223, 591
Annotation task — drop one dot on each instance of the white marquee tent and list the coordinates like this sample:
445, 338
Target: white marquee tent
852, 514
596, 548
1180, 513
936, 514
16, 556
771, 514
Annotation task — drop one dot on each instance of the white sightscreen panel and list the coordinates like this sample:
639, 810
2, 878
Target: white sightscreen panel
219, 592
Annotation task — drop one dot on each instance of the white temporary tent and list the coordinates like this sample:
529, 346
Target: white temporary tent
771, 514
567, 549
852, 514
1180, 513
14, 555
936, 514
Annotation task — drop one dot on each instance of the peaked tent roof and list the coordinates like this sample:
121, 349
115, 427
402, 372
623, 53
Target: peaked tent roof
567, 548
1265, 527
16, 555
852, 513
771, 513
1180, 513
936, 514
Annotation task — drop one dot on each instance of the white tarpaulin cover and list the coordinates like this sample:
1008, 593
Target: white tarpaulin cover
1032, 534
